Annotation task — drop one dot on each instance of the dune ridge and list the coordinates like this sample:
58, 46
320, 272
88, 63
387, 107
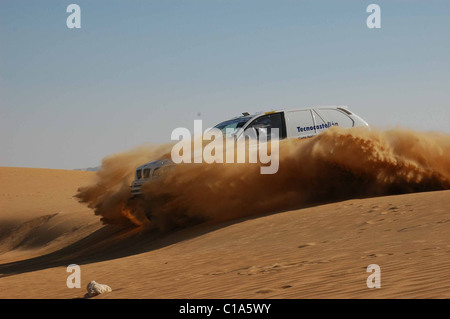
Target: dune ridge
38, 211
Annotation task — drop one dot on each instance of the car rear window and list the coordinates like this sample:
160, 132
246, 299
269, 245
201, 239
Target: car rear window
335, 116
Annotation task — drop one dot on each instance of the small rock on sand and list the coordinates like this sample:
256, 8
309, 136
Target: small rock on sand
94, 289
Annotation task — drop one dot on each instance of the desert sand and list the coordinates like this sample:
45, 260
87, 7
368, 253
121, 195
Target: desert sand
321, 251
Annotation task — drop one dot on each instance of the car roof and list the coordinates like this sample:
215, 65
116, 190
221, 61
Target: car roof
250, 116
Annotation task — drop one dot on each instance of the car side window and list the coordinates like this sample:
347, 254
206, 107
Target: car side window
268, 122
333, 117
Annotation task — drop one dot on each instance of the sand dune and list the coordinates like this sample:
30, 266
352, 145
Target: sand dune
38, 213
317, 252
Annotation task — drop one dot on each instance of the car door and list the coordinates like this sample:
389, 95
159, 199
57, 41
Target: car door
300, 124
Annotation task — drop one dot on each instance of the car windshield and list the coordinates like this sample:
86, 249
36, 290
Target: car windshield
233, 124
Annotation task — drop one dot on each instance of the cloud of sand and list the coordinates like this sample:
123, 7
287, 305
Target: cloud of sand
337, 164
110, 192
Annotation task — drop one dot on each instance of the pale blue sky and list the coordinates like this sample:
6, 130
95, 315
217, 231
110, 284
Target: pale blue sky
136, 70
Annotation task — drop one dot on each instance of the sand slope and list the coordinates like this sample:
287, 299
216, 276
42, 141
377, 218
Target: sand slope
38, 213
315, 252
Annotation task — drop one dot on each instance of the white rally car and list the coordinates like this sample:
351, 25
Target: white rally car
299, 123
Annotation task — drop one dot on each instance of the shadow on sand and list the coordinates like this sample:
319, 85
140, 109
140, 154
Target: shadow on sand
112, 242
